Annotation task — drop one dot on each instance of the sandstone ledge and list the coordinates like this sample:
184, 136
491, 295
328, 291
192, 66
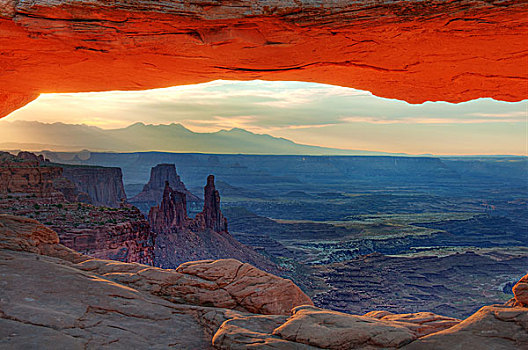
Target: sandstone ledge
52, 297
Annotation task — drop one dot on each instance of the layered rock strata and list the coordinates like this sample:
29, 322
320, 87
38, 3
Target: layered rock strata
104, 185
29, 175
35, 188
427, 50
122, 234
90, 303
211, 217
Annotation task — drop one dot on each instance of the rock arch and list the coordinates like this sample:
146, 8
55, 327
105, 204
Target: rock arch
409, 50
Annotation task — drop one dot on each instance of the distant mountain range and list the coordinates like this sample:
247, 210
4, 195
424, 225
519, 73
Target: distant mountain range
36, 136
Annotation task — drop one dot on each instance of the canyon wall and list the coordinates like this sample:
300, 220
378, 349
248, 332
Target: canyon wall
29, 175
409, 50
62, 198
104, 185
211, 217
116, 235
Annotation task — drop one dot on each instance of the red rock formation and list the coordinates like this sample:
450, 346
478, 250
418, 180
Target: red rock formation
180, 239
413, 51
421, 323
520, 291
24, 175
153, 191
104, 185
171, 213
30, 174
32, 187
211, 216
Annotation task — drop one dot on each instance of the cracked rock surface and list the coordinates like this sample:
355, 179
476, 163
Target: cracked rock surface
52, 297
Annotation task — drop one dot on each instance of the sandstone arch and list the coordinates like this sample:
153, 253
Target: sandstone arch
410, 50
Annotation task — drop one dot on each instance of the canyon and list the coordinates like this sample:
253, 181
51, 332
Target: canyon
316, 219
451, 51
96, 224
220, 304
82, 204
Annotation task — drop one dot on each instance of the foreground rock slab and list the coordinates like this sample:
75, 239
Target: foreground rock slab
334, 330
52, 297
490, 328
421, 323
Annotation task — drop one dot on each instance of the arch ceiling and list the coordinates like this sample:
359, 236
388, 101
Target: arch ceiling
409, 50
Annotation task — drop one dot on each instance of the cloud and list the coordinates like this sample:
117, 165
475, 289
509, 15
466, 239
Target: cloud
259, 105
293, 109
425, 120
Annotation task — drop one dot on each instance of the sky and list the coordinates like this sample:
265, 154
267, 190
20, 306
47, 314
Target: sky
307, 113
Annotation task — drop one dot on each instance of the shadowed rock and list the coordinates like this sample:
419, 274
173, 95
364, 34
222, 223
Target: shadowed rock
53, 297
520, 291
171, 213
211, 216
490, 328
180, 239
152, 192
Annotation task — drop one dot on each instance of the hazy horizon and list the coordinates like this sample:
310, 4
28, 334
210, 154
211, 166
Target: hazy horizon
306, 113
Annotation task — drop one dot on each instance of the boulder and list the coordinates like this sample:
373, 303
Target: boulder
253, 289
421, 323
520, 291
335, 330
490, 328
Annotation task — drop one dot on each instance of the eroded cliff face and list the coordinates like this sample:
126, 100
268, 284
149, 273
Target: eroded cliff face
153, 191
180, 239
104, 185
171, 213
121, 234
29, 175
409, 50
35, 188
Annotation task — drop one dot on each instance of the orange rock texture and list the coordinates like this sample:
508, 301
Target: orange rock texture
410, 50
